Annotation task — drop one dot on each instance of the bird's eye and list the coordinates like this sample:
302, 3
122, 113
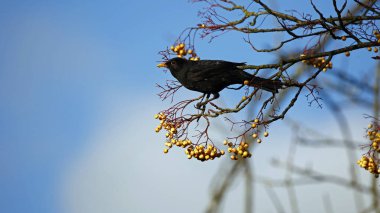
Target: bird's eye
173, 62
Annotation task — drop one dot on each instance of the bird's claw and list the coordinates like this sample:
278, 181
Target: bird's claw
199, 105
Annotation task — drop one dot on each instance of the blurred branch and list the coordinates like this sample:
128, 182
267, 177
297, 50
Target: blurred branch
320, 178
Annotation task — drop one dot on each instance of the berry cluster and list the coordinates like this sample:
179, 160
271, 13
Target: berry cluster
199, 152
317, 62
238, 151
170, 127
371, 162
203, 153
374, 136
181, 51
255, 135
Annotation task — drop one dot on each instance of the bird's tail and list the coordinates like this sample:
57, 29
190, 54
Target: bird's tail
262, 83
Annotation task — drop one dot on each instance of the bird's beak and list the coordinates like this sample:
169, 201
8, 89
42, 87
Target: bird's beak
162, 65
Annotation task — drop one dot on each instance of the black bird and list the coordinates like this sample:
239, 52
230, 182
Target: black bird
212, 76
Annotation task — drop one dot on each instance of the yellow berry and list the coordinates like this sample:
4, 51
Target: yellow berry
344, 38
254, 125
244, 98
254, 135
259, 140
246, 82
225, 142
347, 54
369, 48
189, 51
256, 120
207, 151
166, 151
266, 134
245, 154
375, 50
222, 152
181, 46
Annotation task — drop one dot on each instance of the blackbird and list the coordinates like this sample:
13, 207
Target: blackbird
212, 76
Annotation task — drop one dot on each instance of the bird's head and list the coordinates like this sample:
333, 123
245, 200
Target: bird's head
174, 64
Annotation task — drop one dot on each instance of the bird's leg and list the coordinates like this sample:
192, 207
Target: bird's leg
236, 88
202, 107
200, 104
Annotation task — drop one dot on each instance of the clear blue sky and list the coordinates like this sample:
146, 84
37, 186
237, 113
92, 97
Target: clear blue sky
77, 98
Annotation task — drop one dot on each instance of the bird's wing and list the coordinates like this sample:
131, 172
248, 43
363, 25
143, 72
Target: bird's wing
200, 70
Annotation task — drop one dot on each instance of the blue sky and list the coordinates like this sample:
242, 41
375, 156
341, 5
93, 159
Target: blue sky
77, 98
